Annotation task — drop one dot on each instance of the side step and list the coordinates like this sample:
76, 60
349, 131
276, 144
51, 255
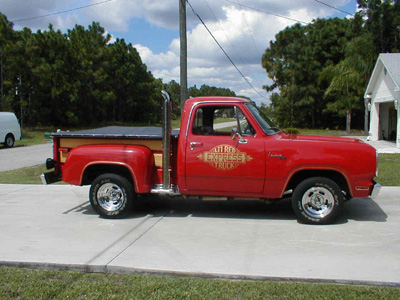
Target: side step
159, 189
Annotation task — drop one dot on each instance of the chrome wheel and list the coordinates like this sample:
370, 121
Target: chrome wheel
111, 197
318, 202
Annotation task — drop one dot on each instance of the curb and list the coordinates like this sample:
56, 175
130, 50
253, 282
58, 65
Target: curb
84, 268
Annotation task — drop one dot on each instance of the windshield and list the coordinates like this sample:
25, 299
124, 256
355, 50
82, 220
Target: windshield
266, 124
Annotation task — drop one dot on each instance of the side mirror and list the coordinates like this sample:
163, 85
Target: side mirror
235, 133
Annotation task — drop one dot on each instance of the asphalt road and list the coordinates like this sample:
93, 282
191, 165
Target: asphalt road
54, 227
20, 157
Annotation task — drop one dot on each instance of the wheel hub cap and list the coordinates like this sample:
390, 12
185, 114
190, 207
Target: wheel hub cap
318, 202
110, 197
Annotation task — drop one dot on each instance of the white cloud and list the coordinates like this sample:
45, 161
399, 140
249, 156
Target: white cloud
156, 61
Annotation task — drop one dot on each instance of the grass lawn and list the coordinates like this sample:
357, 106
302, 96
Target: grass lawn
329, 132
28, 175
389, 169
40, 284
33, 136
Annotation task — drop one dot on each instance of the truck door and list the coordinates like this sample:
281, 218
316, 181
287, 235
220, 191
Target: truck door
216, 162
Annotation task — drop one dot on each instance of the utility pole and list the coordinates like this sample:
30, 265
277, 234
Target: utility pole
183, 56
2, 81
21, 121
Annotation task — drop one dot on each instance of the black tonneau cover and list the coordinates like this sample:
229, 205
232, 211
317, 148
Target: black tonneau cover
151, 133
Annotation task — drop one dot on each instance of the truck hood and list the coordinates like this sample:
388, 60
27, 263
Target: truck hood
349, 156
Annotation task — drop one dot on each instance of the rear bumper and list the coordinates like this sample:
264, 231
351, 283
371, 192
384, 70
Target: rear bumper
50, 177
375, 190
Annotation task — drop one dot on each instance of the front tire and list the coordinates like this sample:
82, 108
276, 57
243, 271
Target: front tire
317, 200
111, 196
9, 141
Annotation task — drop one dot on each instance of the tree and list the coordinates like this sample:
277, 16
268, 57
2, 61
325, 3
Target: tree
174, 91
20, 76
87, 57
348, 78
6, 41
383, 22
294, 62
79, 78
136, 94
206, 90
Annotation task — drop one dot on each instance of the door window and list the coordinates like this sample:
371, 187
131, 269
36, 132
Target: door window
219, 121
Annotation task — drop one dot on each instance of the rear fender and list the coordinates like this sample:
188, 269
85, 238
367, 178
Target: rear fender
86, 162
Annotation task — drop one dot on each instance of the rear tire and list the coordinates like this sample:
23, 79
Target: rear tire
9, 141
317, 200
111, 196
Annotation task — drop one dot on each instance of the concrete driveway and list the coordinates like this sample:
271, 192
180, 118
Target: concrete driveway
381, 146
55, 227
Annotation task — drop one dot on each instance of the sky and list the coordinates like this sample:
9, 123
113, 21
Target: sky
244, 29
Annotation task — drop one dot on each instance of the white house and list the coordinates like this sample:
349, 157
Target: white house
382, 98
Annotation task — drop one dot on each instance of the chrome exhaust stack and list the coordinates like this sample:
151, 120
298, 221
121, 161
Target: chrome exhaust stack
166, 188
166, 130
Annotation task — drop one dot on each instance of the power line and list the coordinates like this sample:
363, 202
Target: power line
226, 54
61, 12
248, 28
267, 12
226, 35
338, 9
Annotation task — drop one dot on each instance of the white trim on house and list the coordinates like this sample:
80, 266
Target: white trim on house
383, 97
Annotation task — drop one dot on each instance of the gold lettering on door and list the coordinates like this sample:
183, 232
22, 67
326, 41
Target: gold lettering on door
225, 157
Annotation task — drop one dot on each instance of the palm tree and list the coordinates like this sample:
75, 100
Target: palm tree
348, 79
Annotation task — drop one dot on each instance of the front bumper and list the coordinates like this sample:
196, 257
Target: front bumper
375, 190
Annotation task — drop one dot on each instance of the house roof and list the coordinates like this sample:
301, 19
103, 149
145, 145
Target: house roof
391, 62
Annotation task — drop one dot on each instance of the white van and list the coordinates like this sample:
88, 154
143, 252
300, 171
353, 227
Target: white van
10, 131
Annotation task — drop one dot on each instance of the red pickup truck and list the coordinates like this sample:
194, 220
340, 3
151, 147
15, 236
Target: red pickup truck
250, 159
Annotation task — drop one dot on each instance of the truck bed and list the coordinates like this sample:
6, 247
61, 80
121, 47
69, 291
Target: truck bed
150, 137
117, 132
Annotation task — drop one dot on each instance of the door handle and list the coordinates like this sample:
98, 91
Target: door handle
277, 155
195, 144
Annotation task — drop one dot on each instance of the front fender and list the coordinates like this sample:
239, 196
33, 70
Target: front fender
138, 160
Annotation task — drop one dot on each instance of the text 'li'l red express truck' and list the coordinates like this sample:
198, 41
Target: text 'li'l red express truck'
250, 159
